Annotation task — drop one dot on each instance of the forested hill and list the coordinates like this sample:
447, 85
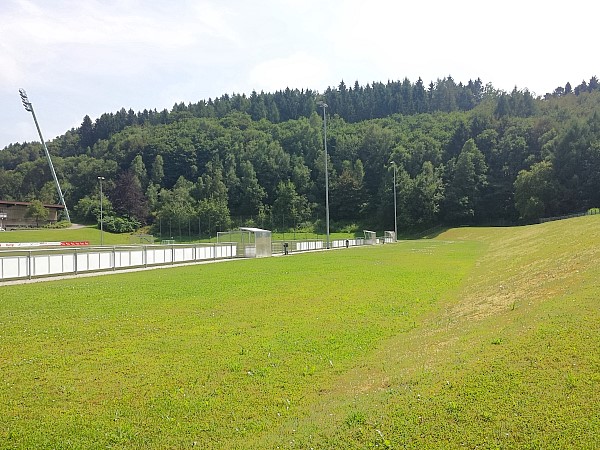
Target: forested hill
464, 153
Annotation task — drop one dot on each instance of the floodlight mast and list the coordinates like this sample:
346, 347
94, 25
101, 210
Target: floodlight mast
29, 107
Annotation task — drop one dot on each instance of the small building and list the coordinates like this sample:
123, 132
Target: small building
251, 242
14, 215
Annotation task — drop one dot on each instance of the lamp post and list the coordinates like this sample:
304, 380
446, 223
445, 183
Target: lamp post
395, 210
101, 217
29, 107
324, 106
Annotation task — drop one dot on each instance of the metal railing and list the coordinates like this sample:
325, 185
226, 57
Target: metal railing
19, 264
591, 212
47, 262
279, 246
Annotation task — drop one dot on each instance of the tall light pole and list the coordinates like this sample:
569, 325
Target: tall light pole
101, 218
324, 106
29, 107
395, 210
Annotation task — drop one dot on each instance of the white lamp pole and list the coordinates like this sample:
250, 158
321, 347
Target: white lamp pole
101, 217
395, 210
324, 106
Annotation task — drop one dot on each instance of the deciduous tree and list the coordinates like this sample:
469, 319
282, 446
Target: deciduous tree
37, 211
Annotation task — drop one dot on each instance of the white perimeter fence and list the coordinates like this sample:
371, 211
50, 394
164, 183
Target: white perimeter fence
314, 244
26, 264
15, 264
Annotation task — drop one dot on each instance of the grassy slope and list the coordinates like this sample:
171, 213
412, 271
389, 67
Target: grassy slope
511, 361
482, 338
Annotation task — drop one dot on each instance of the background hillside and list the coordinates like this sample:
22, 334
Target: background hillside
465, 154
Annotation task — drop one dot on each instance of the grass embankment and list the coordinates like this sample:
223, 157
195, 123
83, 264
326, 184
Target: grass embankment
511, 361
483, 338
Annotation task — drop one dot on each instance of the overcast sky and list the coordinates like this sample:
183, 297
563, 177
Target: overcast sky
78, 57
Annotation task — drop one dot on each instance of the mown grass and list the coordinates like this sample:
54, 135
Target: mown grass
211, 354
511, 361
275, 236
477, 339
92, 234
88, 233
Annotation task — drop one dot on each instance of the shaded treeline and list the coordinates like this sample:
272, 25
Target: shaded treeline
462, 154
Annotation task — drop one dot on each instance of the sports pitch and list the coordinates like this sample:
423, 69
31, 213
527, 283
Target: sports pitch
483, 338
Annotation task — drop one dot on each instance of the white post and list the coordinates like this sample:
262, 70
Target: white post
324, 106
395, 210
101, 217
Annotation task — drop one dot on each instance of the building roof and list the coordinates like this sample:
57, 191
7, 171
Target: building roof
11, 203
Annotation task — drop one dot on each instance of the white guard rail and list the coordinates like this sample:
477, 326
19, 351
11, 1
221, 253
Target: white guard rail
15, 264
316, 244
337, 243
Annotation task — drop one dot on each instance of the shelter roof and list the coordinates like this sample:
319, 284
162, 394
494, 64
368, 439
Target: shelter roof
254, 230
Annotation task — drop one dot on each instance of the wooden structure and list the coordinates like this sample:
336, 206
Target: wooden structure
14, 215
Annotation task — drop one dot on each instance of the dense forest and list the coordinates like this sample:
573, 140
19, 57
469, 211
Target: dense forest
461, 154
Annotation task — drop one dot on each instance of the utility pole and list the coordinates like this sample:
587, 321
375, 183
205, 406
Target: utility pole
101, 217
395, 209
324, 106
29, 107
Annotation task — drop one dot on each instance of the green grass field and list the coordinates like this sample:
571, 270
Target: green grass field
480, 338
88, 233
92, 234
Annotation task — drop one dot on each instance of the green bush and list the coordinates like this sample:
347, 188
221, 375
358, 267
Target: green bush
115, 224
61, 224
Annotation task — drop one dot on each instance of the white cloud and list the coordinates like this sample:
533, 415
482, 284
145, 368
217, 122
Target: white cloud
88, 57
95, 37
300, 70
10, 71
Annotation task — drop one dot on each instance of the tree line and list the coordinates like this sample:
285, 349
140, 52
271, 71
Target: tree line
461, 154
353, 104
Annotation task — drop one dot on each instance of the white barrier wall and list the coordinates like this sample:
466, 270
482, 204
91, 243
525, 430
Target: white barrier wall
317, 244
18, 263
37, 263
303, 246
14, 266
338, 243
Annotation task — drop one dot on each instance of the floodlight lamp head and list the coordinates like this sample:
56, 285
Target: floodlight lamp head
25, 100
322, 105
